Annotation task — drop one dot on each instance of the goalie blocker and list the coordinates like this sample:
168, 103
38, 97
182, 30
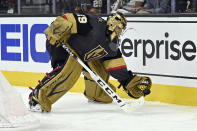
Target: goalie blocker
97, 47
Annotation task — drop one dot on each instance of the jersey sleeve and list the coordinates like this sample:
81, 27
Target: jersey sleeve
83, 24
58, 29
64, 26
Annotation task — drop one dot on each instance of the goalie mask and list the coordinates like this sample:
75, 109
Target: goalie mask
114, 22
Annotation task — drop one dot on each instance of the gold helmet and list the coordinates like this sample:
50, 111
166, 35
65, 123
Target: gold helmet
116, 20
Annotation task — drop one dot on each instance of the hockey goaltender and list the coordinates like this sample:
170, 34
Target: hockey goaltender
95, 41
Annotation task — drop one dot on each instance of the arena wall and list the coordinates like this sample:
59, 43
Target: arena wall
163, 48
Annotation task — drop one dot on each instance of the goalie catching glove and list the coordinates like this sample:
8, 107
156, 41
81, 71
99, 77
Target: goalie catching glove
138, 86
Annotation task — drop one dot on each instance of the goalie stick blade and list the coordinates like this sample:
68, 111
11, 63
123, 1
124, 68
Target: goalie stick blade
134, 105
126, 108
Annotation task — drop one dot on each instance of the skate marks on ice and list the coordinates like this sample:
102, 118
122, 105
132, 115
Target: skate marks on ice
73, 113
30, 127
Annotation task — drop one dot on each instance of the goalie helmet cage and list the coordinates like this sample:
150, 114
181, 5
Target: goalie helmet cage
13, 112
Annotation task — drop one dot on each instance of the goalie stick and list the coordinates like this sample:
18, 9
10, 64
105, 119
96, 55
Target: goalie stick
124, 106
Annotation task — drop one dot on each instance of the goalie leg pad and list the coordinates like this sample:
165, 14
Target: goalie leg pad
138, 86
92, 90
51, 88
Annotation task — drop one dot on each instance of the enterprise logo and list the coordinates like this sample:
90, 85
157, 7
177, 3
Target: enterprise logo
174, 50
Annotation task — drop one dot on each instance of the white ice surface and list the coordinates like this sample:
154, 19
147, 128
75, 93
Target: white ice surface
74, 113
